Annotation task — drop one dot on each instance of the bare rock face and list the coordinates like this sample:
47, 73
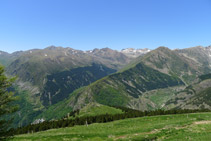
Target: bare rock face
37, 121
200, 55
112, 58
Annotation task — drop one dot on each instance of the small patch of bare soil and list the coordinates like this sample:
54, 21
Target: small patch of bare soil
203, 122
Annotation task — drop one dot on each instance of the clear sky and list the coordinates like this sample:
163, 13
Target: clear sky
88, 24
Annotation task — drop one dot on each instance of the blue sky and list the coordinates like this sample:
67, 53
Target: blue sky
88, 24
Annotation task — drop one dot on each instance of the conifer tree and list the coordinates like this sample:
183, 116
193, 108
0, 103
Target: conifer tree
6, 98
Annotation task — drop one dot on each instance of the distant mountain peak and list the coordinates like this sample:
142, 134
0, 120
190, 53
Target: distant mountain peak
162, 48
208, 47
57, 48
102, 50
51, 47
3, 53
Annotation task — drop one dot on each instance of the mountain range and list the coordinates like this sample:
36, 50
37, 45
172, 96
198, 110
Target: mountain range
56, 80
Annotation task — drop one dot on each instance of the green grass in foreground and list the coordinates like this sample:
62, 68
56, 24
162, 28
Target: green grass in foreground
195, 126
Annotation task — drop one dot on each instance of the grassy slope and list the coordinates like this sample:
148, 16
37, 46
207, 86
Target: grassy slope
93, 109
62, 108
4, 62
55, 111
160, 96
5, 59
169, 127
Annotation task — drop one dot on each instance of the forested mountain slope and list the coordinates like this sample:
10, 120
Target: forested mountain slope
60, 80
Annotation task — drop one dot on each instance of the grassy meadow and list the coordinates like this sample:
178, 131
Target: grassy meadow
196, 126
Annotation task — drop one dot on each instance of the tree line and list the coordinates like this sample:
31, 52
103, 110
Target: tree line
65, 122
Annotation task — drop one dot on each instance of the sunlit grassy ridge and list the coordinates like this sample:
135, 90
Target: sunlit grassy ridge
94, 109
169, 127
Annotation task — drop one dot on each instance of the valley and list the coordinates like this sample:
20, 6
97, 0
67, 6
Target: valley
60, 80
105, 70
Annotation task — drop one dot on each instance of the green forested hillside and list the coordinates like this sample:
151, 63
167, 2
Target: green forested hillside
121, 88
32, 111
29, 108
47, 76
159, 69
195, 96
63, 108
153, 81
6, 58
55, 72
138, 85
60, 85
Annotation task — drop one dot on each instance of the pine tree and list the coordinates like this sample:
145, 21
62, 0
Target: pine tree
5, 101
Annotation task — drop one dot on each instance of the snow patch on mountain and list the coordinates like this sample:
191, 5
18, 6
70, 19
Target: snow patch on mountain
131, 52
